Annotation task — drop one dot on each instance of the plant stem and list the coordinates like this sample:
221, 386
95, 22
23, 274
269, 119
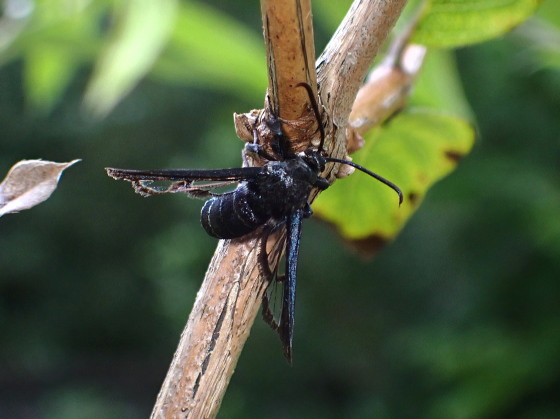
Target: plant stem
231, 293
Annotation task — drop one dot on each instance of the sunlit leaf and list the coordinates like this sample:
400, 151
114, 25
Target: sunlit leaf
140, 32
453, 23
28, 183
414, 150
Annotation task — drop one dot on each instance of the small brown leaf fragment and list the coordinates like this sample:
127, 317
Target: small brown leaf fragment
368, 246
28, 183
387, 88
389, 84
245, 124
413, 198
453, 155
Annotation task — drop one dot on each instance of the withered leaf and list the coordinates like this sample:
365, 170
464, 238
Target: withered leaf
28, 183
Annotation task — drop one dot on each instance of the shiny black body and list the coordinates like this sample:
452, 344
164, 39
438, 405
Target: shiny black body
276, 193
279, 190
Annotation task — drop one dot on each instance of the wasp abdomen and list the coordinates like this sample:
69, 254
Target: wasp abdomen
231, 215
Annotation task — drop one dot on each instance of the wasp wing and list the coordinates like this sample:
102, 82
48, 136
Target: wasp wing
190, 181
233, 174
272, 298
289, 237
286, 327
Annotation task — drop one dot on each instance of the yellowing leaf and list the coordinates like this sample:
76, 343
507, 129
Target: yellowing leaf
28, 183
414, 150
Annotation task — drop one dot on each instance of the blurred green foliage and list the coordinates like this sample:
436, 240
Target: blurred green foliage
453, 23
457, 318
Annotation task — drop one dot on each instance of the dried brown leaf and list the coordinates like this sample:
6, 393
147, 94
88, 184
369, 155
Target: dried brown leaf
28, 183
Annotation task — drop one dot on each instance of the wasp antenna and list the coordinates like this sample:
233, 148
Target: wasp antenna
369, 172
315, 111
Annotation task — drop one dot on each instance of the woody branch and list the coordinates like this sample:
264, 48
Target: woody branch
231, 294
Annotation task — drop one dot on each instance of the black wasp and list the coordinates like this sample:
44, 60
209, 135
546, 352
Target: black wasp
276, 194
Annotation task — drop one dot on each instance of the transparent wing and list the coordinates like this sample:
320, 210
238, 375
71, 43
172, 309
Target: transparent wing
271, 256
285, 300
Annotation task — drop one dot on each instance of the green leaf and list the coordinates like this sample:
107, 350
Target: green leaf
454, 23
439, 86
141, 31
550, 11
414, 151
56, 38
541, 37
209, 48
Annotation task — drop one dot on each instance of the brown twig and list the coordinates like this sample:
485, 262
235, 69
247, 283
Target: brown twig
214, 336
388, 86
230, 296
342, 66
288, 36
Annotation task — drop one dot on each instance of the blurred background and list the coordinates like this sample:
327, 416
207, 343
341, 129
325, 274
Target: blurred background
458, 317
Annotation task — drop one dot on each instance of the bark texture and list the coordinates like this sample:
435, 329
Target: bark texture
231, 293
